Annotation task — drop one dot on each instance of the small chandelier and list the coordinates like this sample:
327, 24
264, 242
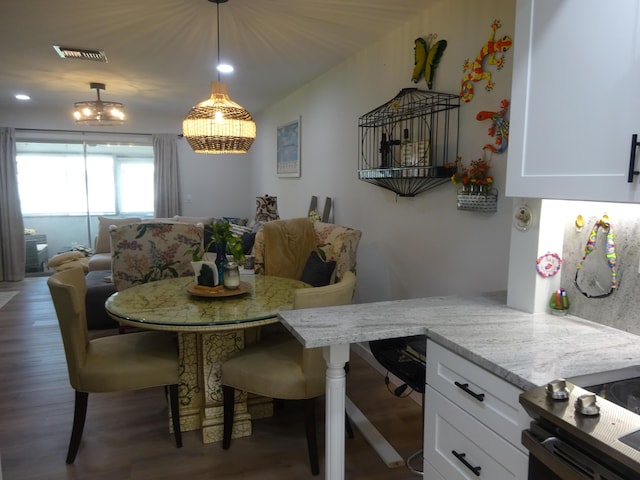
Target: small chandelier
98, 112
218, 124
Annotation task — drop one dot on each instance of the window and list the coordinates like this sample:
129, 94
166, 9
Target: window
66, 178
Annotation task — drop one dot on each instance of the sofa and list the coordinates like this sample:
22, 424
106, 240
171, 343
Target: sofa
101, 258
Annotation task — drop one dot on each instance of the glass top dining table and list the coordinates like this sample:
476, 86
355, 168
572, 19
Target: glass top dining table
209, 330
174, 304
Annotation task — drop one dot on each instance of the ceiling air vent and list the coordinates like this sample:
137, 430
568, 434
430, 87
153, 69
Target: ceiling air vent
81, 53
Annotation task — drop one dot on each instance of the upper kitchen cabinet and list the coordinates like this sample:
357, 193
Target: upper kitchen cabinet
575, 100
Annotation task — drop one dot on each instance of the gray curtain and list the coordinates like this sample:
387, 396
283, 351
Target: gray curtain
12, 245
166, 179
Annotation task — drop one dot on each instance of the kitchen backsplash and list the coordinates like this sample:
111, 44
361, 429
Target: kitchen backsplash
620, 309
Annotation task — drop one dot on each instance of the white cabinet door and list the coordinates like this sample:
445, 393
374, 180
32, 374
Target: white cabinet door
460, 448
575, 100
490, 399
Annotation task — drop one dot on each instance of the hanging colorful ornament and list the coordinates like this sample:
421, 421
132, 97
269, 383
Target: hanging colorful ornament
475, 71
548, 265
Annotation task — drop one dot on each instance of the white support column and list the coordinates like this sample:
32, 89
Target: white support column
336, 357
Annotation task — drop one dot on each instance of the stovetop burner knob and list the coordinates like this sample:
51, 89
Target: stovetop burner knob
586, 405
557, 389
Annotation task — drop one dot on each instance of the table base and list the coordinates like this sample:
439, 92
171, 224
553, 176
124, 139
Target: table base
200, 388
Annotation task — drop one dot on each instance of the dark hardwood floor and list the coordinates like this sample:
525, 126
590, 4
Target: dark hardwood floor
126, 434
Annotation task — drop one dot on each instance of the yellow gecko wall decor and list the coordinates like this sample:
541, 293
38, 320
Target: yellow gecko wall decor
474, 72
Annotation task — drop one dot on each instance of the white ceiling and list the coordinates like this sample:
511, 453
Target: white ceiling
162, 53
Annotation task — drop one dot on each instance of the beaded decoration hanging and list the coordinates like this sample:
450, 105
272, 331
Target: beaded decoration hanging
548, 265
610, 253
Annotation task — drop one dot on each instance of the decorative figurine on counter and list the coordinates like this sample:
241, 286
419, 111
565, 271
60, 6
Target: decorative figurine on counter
559, 302
427, 55
499, 127
476, 71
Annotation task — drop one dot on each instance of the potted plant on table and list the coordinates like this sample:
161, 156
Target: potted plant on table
210, 273
226, 242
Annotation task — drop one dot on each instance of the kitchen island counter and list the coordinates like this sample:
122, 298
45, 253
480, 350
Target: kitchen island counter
525, 349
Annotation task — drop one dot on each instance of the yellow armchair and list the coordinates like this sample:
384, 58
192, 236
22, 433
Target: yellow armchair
332, 243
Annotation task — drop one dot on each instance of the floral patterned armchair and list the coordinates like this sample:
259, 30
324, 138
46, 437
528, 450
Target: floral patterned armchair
146, 252
333, 242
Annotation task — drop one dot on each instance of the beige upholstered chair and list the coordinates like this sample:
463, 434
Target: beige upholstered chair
284, 369
109, 364
296, 238
284, 248
146, 252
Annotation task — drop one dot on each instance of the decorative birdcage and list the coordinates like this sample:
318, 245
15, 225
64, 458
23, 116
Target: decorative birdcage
409, 144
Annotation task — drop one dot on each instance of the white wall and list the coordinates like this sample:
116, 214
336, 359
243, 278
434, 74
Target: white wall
410, 247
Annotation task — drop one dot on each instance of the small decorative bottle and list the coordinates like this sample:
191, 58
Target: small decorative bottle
385, 152
406, 150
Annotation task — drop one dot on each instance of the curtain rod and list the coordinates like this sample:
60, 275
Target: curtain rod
82, 131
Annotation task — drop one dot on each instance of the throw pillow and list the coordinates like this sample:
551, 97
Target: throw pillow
237, 220
267, 209
248, 239
103, 242
65, 257
317, 272
202, 220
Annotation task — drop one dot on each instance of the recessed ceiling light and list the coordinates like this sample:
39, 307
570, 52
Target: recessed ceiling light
22, 96
224, 68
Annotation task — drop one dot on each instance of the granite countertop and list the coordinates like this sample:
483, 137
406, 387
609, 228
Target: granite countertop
525, 349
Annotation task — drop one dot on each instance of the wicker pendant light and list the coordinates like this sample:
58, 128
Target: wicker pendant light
218, 124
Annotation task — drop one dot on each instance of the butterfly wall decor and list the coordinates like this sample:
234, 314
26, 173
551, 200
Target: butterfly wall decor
427, 55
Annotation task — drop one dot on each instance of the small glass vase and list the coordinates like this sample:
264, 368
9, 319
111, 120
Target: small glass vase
221, 260
231, 276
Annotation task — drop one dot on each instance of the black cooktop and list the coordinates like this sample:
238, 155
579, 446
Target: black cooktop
625, 393
620, 386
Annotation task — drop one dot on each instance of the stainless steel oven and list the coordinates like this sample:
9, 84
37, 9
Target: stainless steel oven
577, 434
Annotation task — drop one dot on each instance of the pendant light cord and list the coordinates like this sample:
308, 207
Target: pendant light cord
218, 32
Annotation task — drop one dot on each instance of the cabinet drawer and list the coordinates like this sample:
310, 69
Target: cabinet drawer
452, 437
495, 402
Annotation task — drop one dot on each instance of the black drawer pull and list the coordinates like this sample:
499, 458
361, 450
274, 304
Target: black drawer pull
632, 158
465, 387
460, 456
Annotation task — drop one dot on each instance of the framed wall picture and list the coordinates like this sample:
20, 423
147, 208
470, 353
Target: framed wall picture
288, 156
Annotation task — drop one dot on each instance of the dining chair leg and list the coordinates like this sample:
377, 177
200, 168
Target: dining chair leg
228, 402
79, 416
175, 413
312, 441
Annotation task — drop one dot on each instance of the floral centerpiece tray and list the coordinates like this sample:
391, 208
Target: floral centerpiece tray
215, 292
